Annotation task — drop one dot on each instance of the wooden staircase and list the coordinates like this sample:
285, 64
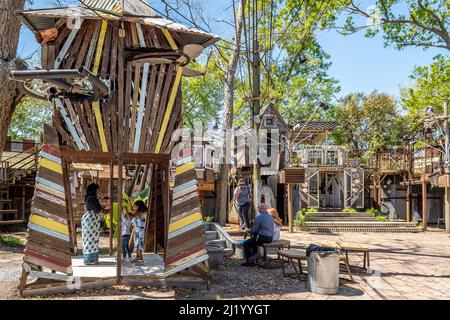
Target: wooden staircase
8, 216
335, 222
17, 173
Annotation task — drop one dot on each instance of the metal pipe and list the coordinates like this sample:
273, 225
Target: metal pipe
102, 89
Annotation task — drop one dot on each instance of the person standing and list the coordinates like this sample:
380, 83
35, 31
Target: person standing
262, 232
138, 222
126, 233
90, 225
242, 198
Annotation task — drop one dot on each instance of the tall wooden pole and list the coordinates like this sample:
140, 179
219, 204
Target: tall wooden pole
424, 200
290, 209
111, 208
119, 220
446, 169
256, 102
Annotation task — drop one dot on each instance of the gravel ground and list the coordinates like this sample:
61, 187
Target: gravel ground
403, 266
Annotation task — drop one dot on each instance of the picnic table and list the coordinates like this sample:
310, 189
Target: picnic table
348, 247
291, 255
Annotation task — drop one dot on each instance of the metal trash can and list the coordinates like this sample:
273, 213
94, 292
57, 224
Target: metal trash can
323, 272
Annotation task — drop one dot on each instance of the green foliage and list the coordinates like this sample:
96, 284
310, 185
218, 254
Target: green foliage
208, 219
10, 241
115, 220
430, 87
404, 23
369, 123
382, 219
300, 219
203, 95
29, 117
349, 210
294, 66
375, 211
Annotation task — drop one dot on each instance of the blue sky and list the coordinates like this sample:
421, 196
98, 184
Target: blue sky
360, 64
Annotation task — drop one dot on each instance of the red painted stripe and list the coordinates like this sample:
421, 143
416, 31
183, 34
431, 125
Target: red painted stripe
46, 258
51, 149
185, 253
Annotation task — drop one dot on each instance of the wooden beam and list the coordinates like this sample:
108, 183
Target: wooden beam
119, 221
290, 209
107, 157
111, 208
424, 201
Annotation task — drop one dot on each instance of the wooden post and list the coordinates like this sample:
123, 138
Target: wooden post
424, 200
446, 169
68, 191
111, 208
408, 202
165, 190
291, 228
119, 219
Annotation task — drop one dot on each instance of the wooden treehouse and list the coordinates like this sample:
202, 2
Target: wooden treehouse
333, 178
114, 76
17, 176
408, 180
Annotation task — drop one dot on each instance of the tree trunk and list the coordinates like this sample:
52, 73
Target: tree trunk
230, 75
9, 38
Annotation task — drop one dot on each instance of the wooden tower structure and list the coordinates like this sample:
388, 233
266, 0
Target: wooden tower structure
113, 71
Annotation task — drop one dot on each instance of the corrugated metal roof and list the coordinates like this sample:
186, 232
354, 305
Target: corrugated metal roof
128, 7
42, 19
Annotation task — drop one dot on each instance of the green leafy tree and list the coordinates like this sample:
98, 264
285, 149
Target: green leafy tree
203, 95
418, 23
371, 123
29, 117
430, 87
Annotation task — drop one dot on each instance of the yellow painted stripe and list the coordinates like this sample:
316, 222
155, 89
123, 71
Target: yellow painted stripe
49, 224
168, 114
96, 105
101, 130
185, 167
185, 221
169, 38
99, 51
51, 165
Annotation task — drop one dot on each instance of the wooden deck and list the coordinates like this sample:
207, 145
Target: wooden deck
153, 267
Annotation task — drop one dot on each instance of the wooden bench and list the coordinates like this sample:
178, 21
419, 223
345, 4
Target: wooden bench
279, 245
347, 247
292, 255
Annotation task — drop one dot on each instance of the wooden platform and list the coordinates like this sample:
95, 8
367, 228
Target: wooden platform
153, 266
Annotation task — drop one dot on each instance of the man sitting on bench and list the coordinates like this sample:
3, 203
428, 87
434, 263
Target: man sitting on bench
262, 232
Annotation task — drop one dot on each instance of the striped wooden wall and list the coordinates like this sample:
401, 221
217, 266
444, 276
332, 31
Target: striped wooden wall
144, 105
186, 235
48, 242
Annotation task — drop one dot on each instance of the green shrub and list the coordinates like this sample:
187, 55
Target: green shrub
300, 219
375, 211
208, 219
382, 219
350, 210
10, 241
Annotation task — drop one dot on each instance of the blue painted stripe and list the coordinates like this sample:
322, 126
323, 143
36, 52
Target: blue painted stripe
185, 185
50, 157
185, 229
50, 184
184, 161
48, 231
